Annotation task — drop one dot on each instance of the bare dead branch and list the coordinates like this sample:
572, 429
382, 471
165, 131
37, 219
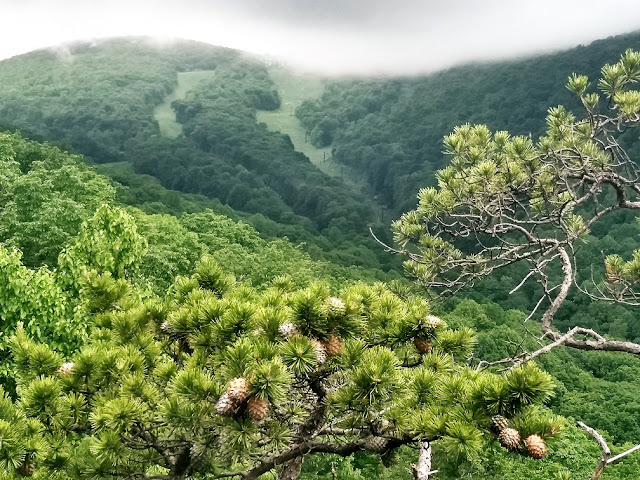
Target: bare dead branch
606, 458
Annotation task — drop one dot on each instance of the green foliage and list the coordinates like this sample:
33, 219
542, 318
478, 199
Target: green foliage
36, 299
394, 140
46, 194
148, 385
107, 114
108, 242
581, 376
160, 364
390, 130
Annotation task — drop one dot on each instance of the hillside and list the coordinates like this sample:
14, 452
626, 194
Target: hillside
104, 100
69, 190
391, 130
192, 143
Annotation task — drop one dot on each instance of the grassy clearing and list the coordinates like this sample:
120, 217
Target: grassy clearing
294, 88
164, 114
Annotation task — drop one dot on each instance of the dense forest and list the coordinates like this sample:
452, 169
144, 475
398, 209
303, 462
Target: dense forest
99, 100
391, 132
128, 247
160, 250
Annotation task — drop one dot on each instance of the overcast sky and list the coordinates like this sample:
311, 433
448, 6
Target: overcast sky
335, 36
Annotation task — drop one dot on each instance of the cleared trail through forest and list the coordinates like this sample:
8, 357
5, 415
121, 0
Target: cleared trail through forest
164, 114
294, 88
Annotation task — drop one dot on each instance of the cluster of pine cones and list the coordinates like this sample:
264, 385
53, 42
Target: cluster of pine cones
237, 398
330, 347
510, 438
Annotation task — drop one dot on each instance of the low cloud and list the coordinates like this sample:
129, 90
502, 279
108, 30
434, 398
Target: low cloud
331, 36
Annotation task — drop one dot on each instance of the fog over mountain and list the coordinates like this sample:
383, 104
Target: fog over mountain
334, 36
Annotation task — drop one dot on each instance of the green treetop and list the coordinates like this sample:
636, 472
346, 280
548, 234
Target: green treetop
217, 378
505, 200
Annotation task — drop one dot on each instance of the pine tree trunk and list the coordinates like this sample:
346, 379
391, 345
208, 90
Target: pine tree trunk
422, 470
180, 463
291, 470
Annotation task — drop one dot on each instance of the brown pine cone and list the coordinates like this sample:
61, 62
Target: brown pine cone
432, 322
321, 353
509, 438
423, 346
333, 345
499, 423
238, 389
257, 408
225, 406
335, 307
66, 368
28, 468
536, 446
288, 330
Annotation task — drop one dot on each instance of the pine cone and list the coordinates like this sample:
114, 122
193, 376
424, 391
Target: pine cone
225, 406
509, 438
423, 346
257, 408
335, 307
333, 345
238, 389
321, 353
432, 322
28, 468
389, 458
66, 368
288, 330
535, 446
375, 444
499, 423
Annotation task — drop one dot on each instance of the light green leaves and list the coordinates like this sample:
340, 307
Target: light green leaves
616, 76
628, 102
108, 242
578, 84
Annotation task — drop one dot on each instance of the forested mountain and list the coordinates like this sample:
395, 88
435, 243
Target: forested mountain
99, 100
170, 245
144, 254
391, 130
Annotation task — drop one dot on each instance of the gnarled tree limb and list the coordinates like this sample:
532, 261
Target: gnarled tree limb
606, 458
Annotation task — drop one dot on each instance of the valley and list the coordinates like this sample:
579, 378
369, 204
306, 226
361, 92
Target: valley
227, 236
293, 89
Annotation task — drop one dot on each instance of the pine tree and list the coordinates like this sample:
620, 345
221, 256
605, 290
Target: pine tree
203, 380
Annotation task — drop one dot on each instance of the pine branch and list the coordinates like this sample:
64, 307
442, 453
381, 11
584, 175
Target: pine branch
606, 458
299, 450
